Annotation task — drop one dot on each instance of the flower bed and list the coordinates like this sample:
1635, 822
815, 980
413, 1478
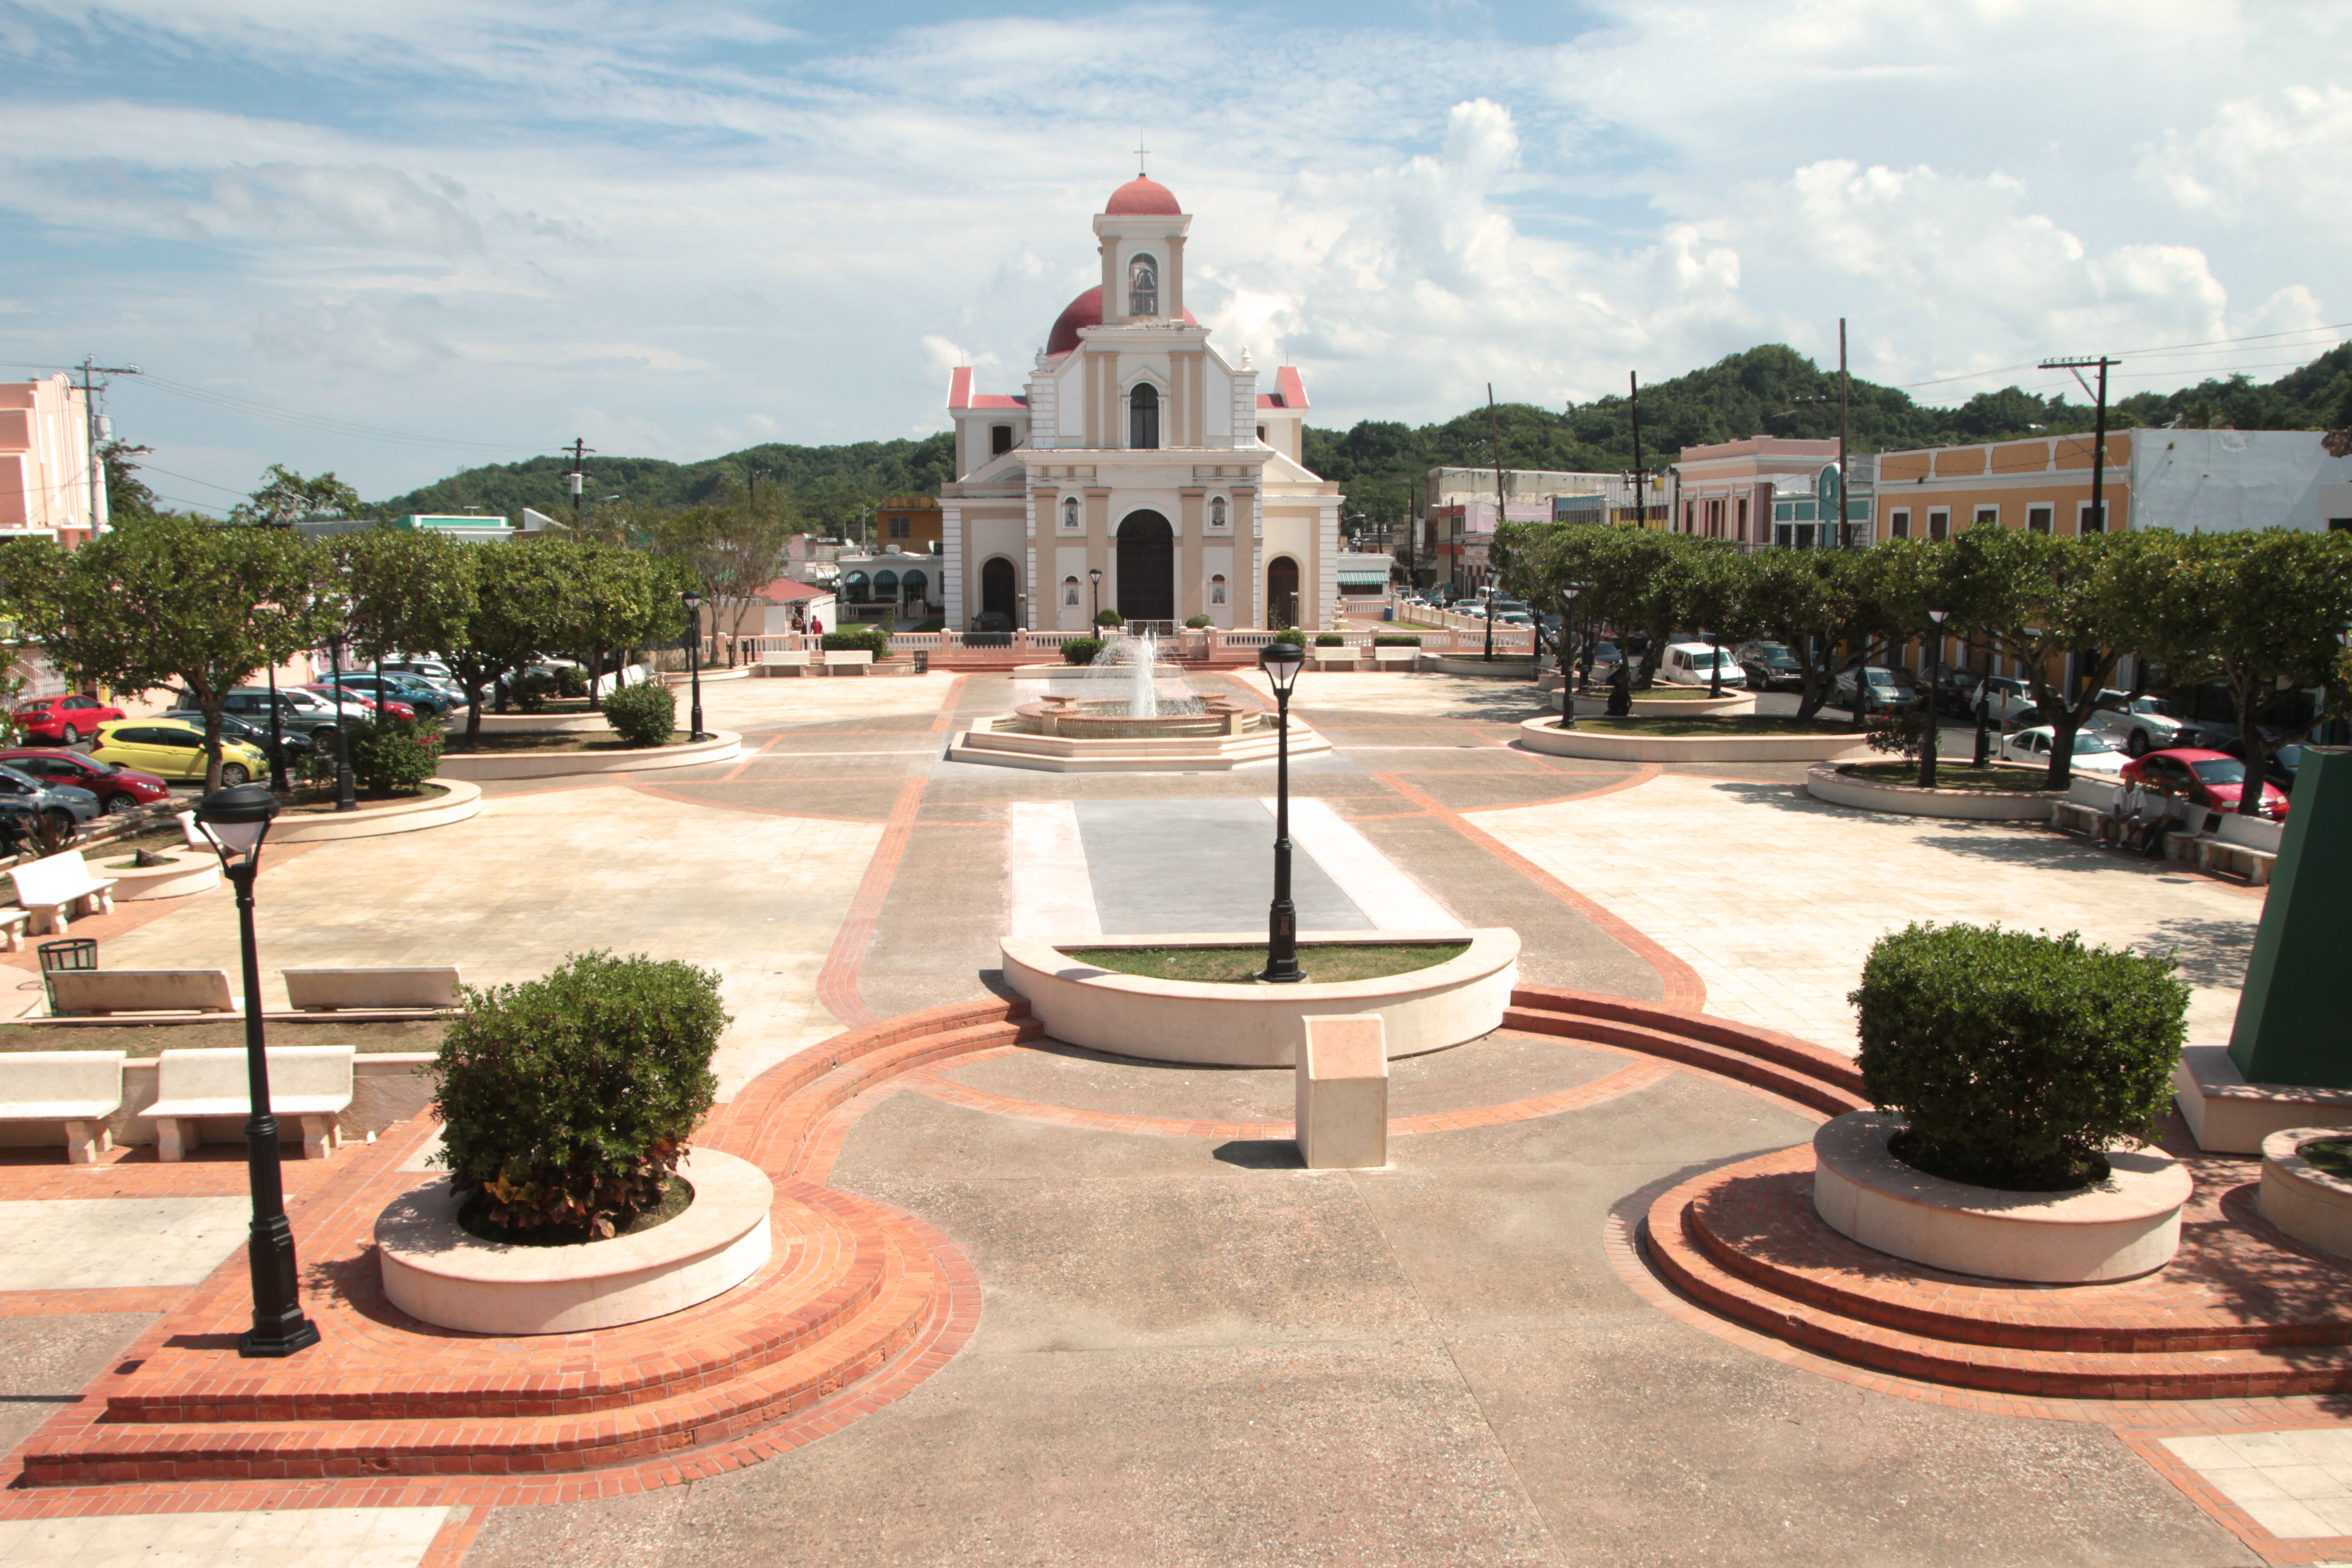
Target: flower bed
1696, 739
439, 801
1847, 786
2299, 1195
557, 755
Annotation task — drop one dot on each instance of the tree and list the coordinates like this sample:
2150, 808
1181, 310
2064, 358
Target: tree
518, 615
612, 598
178, 599
127, 495
2051, 603
286, 497
1900, 579
403, 591
2259, 612
1816, 604
31, 569
731, 551
1711, 593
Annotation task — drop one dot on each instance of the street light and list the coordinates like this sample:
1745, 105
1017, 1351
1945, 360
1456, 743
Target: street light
1094, 578
1938, 614
277, 737
1282, 661
1567, 595
344, 800
693, 602
236, 820
1486, 593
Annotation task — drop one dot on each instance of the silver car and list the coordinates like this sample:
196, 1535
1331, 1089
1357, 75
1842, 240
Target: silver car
2145, 725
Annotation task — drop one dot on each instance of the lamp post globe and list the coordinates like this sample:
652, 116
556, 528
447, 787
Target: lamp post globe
1937, 613
692, 600
345, 799
1568, 593
236, 820
1282, 662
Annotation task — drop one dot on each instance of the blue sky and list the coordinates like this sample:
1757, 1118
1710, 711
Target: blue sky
394, 237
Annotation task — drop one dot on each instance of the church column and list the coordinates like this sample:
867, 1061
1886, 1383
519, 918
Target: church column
1171, 281
951, 558
1099, 550
1251, 590
1094, 368
1191, 524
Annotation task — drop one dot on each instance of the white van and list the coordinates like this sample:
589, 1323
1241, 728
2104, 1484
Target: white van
1695, 663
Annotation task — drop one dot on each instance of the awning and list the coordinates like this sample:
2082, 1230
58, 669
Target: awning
1357, 576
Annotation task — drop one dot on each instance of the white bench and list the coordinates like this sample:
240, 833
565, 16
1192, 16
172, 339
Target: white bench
310, 1084
788, 663
1406, 656
324, 990
12, 927
2089, 807
2219, 856
847, 660
59, 886
1331, 658
80, 1088
102, 991
195, 835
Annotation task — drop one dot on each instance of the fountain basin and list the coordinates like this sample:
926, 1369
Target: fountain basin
1228, 736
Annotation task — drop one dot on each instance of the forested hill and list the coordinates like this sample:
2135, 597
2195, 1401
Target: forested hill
1771, 390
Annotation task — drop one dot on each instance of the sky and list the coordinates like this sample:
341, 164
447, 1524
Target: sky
395, 239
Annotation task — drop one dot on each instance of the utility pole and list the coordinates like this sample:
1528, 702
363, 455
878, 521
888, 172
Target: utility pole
1845, 480
90, 427
1494, 433
577, 479
2098, 426
1640, 488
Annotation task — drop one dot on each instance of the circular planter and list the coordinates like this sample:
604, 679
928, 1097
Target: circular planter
464, 800
1260, 1026
1513, 669
531, 723
484, 767
437, 1271
186, 874
684, 677
2300, 1198
1594, 704
1544, 734
1833, 784
2126, 1226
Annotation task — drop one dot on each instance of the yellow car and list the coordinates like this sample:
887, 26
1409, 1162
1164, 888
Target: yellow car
171, 749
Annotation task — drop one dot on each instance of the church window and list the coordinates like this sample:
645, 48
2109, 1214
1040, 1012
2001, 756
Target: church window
1143, 287
1143, 416
1069, 514
1217, 589
1217, 512
1000, 440
1070, 592
1261, 435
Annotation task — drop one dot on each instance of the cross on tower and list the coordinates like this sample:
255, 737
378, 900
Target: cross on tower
1141, 152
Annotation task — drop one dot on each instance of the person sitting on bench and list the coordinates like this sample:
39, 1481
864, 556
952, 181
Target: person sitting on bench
2124, 812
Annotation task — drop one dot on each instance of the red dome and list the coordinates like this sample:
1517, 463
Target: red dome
1143, 197
1086, 311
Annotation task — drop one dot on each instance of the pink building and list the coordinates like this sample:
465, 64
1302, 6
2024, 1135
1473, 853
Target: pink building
1726, 489
45, 461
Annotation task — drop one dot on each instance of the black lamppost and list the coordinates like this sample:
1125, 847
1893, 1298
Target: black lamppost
277, 737
1282, 661
1487, 593
1936, 613
1984, 712
1714, 665
344, 800
693, 602
236, 820
1567, 595
1094, 579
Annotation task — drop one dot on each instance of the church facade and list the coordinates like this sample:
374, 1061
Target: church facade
1139, 470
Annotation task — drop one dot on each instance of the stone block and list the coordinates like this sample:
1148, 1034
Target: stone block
1343, 1117
103, 991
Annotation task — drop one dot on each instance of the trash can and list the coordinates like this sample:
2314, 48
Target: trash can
1388, 612
73, 952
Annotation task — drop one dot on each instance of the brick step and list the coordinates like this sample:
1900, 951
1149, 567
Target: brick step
1831, 1067
830, 1270
1807, 1083
104, 1452
1673, 1247
1762, 1228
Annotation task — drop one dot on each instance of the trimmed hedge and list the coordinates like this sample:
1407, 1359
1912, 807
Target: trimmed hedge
1197, 622
388, 755
644, 715
1330, 640
570, 680
569, 1100
872, 639
1110, 618
1081, 650
1292, 635
2017, 1060
1394, 640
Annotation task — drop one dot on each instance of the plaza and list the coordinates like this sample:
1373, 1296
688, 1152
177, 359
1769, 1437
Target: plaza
1148, 1335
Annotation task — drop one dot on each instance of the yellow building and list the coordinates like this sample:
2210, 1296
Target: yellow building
2043, 484
908, 523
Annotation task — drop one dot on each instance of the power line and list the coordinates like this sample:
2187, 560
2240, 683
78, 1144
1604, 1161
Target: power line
2133, 354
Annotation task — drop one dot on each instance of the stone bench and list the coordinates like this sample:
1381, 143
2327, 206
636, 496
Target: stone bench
326, 990
80, 1088
1405, 656
1335, 657
12, 927
309, 1084
2219, 856
785, 664
848, 660
99, 991
1341, 1121
58, 887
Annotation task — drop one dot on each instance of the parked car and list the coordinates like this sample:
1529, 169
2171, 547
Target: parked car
1771, 667
65, 720
68, 806
357, 704
299, 712
2205, 778
2280, 763
2144, 725
233, 728
172, 749
431, 671
413, 690
116, 789
992, 621
2094, 752
2009, 701
1695, 664
1885, 688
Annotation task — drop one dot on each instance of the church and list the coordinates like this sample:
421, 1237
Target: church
1139, 470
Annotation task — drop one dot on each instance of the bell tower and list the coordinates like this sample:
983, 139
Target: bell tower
1141, 230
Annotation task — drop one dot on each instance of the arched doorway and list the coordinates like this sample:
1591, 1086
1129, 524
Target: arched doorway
996, 588
1147, 568
1281, 593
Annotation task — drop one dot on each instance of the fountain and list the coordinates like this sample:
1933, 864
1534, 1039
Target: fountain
1160, 724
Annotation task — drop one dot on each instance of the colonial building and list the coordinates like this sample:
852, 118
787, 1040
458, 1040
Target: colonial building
1140, 469
45, 467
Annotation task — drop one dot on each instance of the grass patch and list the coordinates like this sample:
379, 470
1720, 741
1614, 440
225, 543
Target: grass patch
149, 1039
1714, 724
548, 741
674, 1199
2333, 1156
316, 800
1955, 775
1324, 962
1684, 694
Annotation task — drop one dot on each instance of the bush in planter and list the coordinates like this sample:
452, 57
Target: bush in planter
570, 1099
1110, 618
872, 639
1198, 621
1330, 640
1394, 640
2016, 1058
1901, 730
389, 754
1081, 650
533, 688
1292, 635
643, 715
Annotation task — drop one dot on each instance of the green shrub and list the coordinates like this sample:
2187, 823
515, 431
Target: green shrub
1197, 622
1902, 730
1395, 640
1292, 635
2017, 1059
643, 715
389, 754
570, 1099
1081, 650
872, 639
532, 688
570, 680
1330, 640
1110, 618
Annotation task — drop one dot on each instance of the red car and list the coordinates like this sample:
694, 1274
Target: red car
386, 705
2210, 779
119, 789
64, 720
